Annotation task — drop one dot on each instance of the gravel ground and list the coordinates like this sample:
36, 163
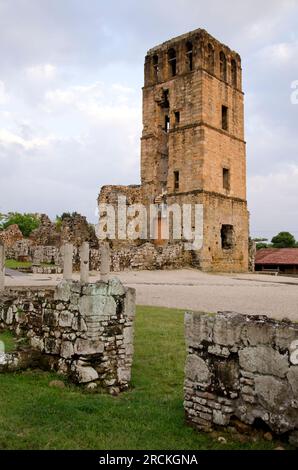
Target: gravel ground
191, 289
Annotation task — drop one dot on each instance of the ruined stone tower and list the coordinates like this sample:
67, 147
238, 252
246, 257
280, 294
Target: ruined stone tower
192, 146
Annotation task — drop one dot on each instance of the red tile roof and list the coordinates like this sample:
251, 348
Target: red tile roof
277, 256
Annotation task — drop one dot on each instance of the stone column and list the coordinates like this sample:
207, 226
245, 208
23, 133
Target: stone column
84, 255
2, 266
67, 261
105, 262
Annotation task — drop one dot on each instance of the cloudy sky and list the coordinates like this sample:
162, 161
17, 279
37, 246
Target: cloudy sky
71, 73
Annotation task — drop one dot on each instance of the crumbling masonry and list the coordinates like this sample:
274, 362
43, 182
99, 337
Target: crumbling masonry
241, 367
192, 146
81, 330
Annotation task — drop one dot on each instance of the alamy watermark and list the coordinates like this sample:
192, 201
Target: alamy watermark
153, 222
294, 94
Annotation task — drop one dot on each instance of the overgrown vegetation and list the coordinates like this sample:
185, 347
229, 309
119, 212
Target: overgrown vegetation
26, 222
149, 416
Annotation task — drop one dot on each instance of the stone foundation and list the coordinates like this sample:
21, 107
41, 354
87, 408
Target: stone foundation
243, 367
83, 331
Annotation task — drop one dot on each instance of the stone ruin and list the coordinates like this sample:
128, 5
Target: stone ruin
241, 367
81, 330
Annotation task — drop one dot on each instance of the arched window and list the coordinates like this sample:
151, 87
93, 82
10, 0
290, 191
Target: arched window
210, 58
234, 72
189, 55
155, 67
172, 62
223, 66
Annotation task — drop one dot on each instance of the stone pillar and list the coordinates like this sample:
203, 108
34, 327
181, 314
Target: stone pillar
84, 255
2, 266
67, 261
105, 262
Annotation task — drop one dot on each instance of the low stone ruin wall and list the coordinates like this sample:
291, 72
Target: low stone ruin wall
84, 331
150, 257
243, 367
145, 256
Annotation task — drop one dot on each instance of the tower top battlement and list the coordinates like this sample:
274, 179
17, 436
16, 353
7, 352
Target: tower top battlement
196, 50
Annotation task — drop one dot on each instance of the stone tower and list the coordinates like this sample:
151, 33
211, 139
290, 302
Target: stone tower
192, 146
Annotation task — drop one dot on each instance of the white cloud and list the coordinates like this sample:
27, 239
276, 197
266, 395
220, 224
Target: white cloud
4, 97
280, 53
8, 138
41, 72
98, 102
273, 201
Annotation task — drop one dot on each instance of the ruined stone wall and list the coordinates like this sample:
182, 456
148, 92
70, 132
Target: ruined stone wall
244, 367
74, 229
46, 233
25, 250
11, 235
84, 331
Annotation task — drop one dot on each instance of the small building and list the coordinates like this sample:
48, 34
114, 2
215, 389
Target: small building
283, 260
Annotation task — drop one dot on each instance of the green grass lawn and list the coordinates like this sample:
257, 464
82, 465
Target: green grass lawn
149, 416
14, 264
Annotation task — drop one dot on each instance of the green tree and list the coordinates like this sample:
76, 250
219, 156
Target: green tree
261, 245
25, 222
283, 240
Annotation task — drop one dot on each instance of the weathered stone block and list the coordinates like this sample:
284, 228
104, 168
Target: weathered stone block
67, 349
271, 392
84, 374
292, 376
63, 291
264, 360
65, 319
85, 347
197, 370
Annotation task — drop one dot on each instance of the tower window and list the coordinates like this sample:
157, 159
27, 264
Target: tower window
172, 62
155, 67
189, 55
177, 117
165, 99
176, 180
223, 66
234, 72
224, 118
227, 237
167, 123
210, 58
226, 178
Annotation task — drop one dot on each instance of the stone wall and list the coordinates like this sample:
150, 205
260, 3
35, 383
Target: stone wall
84, 331
243, 367
11, 235
143, 256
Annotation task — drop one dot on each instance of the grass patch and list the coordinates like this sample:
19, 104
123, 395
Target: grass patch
7, 338
149, 416
14, 264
